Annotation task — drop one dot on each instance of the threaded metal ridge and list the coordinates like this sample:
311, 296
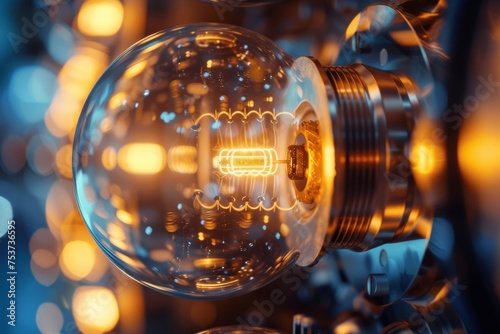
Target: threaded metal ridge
361, 157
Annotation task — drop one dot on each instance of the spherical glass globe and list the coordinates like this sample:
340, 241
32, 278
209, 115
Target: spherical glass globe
198, 161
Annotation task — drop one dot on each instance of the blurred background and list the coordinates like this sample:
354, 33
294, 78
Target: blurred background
53, 51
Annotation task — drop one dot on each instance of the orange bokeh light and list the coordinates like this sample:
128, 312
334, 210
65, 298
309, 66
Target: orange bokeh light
95, 309
100, 18
142, 158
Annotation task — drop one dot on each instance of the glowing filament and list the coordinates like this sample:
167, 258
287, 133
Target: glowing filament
247, 161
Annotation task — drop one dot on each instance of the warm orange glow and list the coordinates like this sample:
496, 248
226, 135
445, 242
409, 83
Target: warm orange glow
124, 245
353, 27
479, 156
203, 313
347, 327
125, 216
246, 220
106, 124
116, 231
247, 161
426, 158
284, 230
77, 259
132, 262
95, 309
197, 89
209, 263
131, 306
76, 79
79, 73
182, 159
62, 114
117, 100
73, 228
134, 70
406, 38
142, 158
109, 158
100, 17
171, 227
161, 255
478, 153
99, 270
210, 225
151, 48
216, 286
64, 161
117, 202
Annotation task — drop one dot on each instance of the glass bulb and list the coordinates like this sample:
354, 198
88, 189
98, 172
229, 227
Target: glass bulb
198, 161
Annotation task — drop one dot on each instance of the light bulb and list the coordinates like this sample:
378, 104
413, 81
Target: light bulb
192, 168
207, 161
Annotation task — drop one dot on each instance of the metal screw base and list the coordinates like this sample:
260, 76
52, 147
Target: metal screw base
373, 117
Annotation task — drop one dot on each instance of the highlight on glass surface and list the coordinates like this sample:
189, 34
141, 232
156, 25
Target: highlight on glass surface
198, 161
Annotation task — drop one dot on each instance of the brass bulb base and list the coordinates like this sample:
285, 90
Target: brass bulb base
307, 186
373, 119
